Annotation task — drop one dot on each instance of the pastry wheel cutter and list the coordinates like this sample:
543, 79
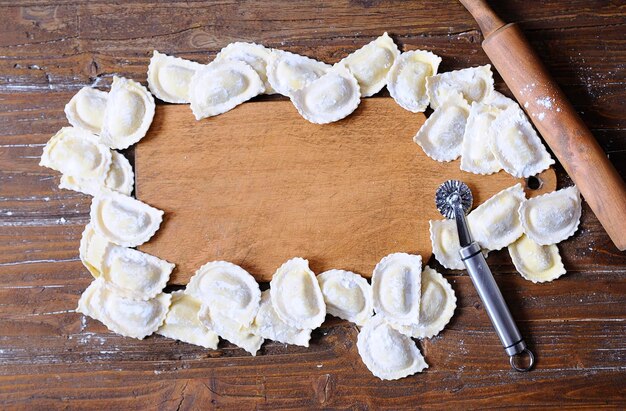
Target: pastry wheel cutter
454, 200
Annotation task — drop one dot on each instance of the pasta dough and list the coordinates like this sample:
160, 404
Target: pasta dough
91, 250
134, 274
444, 238
553, 217
347, 295
441, 136
268, 324
330, 98
296, 295
130, 318
128, 114
371, 63
75, 152
182, 323
387, 353
169, 77
476, 154
474, 84
536, 263
228, 290
124, 220
222, 86
438, 302
406, 80
396, 283
495, 223
230, 330
445, 243
516, 145
120, 178
255, 55
287, 72
86, 109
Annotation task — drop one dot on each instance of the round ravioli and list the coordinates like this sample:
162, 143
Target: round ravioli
296, 295
227, 289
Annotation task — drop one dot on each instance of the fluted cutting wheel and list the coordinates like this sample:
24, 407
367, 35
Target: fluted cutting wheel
449, 193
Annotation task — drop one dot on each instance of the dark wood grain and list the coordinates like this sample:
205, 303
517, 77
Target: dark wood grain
51, 357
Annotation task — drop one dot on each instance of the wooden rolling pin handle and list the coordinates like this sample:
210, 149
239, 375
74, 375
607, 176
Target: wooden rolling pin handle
487, 20
561, 127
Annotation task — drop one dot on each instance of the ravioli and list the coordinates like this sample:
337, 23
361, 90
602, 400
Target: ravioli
86, 109
437, 306
134, 274
120, 178
474, 84
230, 330
499, 101
169, 77
296, 295
287, 72
387, 353
441, 136
330, 98
182, 323
535, 262
130, 318
495, 223
444, 238
124, 220
476, 154
516, 145
371, 63
396, 283
75, 152
347, 295
221, 86
553, 217
128, 114
227, 289
406, 80
91, 250
268, 324
255, 55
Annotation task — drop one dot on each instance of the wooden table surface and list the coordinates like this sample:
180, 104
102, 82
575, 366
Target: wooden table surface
52, 357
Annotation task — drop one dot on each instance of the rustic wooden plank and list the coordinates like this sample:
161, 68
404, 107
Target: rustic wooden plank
54, 358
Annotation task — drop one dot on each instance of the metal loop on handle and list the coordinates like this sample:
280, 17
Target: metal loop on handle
531, 363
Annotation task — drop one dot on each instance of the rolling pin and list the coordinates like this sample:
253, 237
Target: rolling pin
556, 120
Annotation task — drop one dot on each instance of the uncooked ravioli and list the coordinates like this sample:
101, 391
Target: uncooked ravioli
441, 136
406, 80
495, 223
386, 352
396, 283
296, 295
86, 109
226, 289
347, 295
535, 262
473, 84
169, 77
371, 63
182, 323
124, 220
552, 217
221, 86
329, 98
128, 114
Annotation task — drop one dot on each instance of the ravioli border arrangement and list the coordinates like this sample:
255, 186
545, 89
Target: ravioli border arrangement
222, 300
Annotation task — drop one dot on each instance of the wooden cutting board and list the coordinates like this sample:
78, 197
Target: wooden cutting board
259, 185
